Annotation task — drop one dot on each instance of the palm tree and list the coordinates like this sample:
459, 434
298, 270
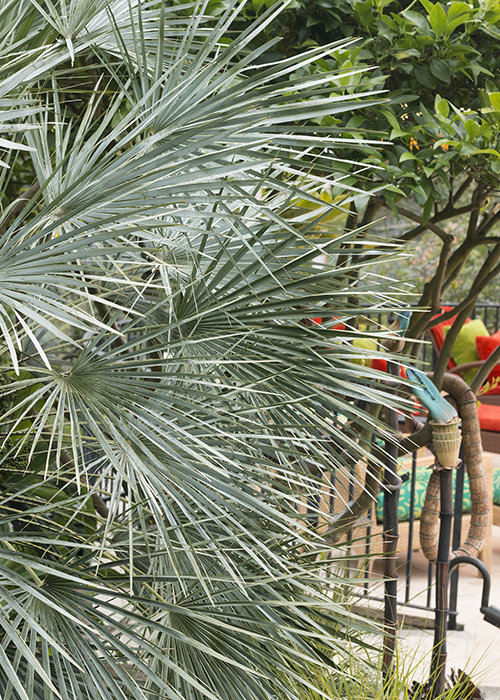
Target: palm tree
164, 397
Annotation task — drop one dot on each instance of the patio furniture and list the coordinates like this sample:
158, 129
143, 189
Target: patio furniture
475, 344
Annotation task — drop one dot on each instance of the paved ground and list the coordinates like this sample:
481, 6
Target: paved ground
476, 649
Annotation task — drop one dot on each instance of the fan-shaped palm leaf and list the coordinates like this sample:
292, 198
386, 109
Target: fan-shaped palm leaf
165, 401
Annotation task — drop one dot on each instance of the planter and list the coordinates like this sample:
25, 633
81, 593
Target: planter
446, 429
447, 438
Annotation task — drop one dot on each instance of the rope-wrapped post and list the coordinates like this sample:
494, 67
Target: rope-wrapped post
438, 505
473, 458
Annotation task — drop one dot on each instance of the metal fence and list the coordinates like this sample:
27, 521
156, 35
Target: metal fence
490, 315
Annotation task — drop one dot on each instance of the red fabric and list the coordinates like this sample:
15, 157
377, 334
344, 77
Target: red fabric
338, 327
381, 365
489, 417
438, 331
485, 345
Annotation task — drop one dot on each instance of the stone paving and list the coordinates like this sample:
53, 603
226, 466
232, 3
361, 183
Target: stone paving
475, 649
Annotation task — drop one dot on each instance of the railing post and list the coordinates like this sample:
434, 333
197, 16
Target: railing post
439, 652
392, 484
411, 524
456, 541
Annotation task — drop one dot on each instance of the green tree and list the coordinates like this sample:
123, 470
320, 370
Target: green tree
438, 133
164, 395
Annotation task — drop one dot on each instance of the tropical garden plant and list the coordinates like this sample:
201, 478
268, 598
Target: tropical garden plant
166, 399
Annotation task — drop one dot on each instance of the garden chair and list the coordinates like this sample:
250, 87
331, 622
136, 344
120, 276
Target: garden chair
471, 354
475, 344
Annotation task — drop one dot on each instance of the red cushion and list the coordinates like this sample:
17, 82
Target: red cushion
485, 345
381, 365
337, 327
489, 417
438, 331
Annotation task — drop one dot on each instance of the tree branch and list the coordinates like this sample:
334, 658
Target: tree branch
460, 255
449, 342
18, 205
486, 368
370, 212
431, 296
417, 219
439, 277
489, 220
483, 278
414, 233
452, 212
462, 189
474, 215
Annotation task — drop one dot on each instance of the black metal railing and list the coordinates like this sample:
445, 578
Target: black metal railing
490, 315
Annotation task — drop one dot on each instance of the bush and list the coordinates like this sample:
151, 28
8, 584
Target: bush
165, 397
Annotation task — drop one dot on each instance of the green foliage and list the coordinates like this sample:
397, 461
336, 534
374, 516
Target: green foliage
432, 59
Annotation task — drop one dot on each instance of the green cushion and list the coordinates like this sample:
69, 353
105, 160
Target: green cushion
366, 344
465, 349
496, 486
423, 476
